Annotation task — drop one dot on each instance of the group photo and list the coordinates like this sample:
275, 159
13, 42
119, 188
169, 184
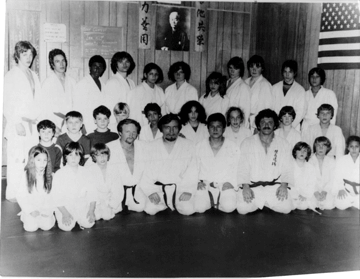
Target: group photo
180, 139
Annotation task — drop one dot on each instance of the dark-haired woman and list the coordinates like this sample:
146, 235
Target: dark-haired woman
177, 94
145, 93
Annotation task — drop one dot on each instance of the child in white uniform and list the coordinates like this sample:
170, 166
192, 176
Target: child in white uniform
33, 195
286, 116
121, 112
74, 191
324, 167
108, 183
347, 176
303, 178
193, 119
235, 131
151, 131
215, 99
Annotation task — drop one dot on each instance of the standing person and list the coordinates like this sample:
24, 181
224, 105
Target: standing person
193, 119
128, 155
74, 191
217, 160
33, 196
175, 38
57, 89
151, 131
290, 93
89, 91
286, 116
347, 176
264, 169
324, 128
237, 90
21, 110
316, 96
260, 88
177, 94
145, 93
234, 130
170, 177
118, 86
215, 99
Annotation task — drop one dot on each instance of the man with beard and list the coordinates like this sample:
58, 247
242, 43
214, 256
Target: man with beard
264, 172
170, 176
128, 155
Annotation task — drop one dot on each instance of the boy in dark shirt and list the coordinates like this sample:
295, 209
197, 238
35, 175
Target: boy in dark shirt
74, 123
102, 134
46, 129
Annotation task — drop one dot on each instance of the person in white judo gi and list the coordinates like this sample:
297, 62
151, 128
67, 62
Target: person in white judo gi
119, 84
234, 130
290, 93
146, 92
57, 90
324, 128
217, 160
151, 131
89, 92
107, 178
178, 93
74, 191
303, 182
215, 99
347, 176
316, 96
325, 169
128, 155
170, 177
193, 118
22, 110
286, 116
260, 88
265, 161
34, 193
237, 90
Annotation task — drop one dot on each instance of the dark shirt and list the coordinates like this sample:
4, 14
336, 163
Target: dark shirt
102, 137
177, 40
63, 139
55, 155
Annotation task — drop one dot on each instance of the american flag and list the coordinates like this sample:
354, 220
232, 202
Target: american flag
339, 45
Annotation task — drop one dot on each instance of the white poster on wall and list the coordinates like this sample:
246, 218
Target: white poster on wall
54, 33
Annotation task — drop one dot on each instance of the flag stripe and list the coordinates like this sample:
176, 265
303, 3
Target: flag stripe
339, 34
353, 52
339, 59
337, 66
339, 47
348, 40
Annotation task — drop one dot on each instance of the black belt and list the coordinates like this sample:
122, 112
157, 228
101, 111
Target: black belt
133, 194
158, 183
354, 187
212, 202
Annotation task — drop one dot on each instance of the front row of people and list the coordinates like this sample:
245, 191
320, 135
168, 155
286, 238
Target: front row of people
171, 172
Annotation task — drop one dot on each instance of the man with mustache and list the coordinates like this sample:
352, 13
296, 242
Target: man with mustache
170, 176
128, 154
264, 172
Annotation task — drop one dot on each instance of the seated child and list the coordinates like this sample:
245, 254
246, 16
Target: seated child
46, 129
102, 134
324, 166
33, 194
121, 112
334, 133
286, 116
347, 176
235, 131
74, 123
74, 190
108, 182
151, 132
302, 187
217, 163
193, 119
215, 99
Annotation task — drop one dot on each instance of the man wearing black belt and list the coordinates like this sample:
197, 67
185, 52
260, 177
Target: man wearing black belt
264, 168
170, 176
